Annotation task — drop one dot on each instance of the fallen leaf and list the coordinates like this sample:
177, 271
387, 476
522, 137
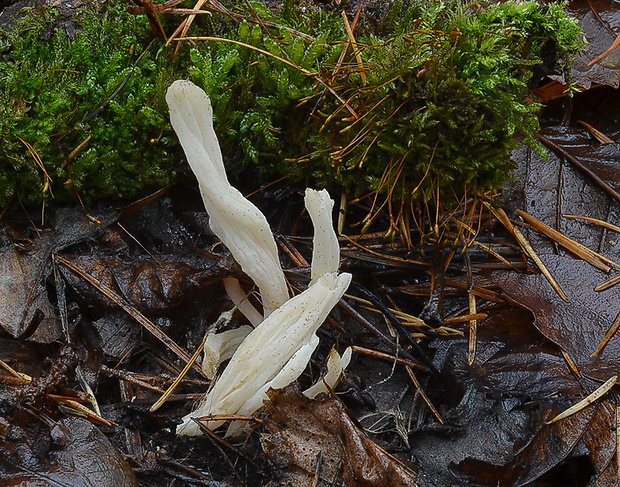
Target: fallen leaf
599, 441
548, 447
72, 452
576, 327
303, 432
601, 162
26, 310
598, 19
513, 359
158, 285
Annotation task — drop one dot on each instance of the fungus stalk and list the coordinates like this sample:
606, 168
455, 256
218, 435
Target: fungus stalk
235, 220
278, 350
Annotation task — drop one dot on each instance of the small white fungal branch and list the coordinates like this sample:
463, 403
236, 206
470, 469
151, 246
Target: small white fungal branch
325, 248
278, 350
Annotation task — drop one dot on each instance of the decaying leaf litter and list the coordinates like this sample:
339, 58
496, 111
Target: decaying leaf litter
534, 353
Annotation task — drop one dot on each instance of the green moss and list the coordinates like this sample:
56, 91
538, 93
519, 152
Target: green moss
440, 96
443, 96
50, 88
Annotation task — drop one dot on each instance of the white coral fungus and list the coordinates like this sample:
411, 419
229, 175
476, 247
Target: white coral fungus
278, 350
234, 219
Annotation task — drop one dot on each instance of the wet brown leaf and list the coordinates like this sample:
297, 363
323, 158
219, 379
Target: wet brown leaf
303, 432
549, 446
600, 441
598, 19
25, 308
159, 285
607, 478
600, 161
578, 326
513, 359
71, 453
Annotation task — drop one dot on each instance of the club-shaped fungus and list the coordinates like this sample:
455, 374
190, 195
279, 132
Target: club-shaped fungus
278, 350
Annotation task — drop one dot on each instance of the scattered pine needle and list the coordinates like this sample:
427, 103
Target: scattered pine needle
581, 251
602, 223
35, 155
473, 329
387, 357
23, 378
164, 397
129, 309
463, 318
597, 394
282, 60
405, 317
571, 363
356, 51
426, 399
608, 283
500, 214
614, 45
597, 134
72, 406
610, 333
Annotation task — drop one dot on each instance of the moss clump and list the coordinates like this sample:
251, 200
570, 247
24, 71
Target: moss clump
432, 94
52, 87
435, 95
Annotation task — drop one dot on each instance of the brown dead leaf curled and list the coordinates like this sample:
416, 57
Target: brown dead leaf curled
548, 447
25, 308
76, 454
303, 432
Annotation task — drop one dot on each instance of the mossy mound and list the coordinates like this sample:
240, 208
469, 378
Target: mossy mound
430, 94
65, 130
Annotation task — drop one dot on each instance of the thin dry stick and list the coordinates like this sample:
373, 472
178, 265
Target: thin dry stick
129, 309
597, 394
428, 402
179, 377
610, 333
500, 214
